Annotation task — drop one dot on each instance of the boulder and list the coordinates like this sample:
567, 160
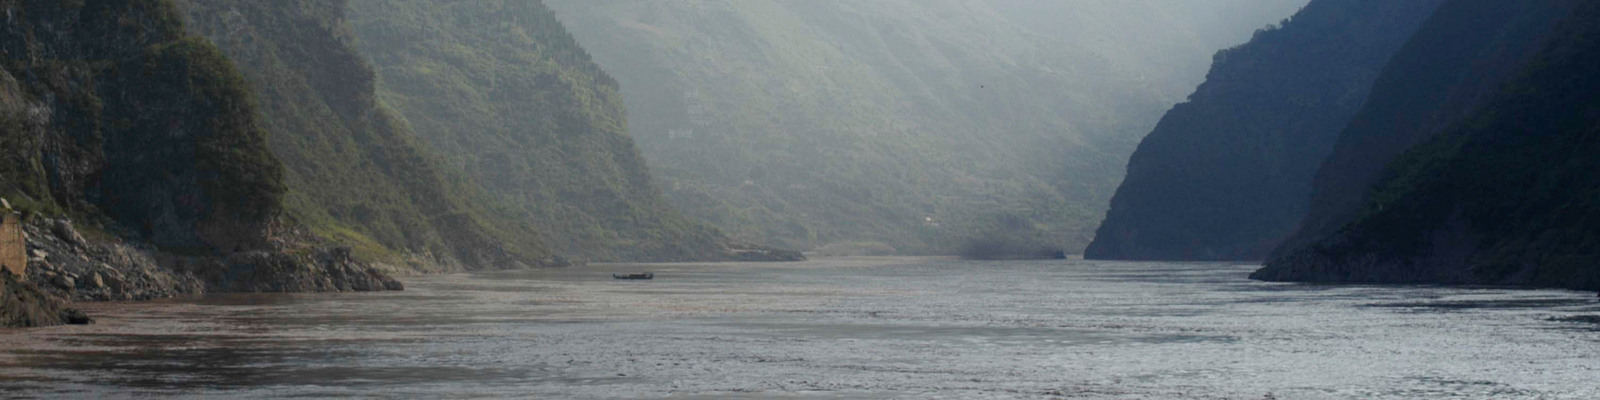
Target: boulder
65, 282
95, 281
63, 229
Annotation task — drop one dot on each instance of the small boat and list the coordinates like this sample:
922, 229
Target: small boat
636, 277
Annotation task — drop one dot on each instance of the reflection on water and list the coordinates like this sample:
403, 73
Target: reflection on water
832, 328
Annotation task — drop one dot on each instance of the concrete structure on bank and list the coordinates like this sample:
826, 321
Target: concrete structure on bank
13, 246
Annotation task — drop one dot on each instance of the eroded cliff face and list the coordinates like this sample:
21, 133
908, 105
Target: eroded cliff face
1226, 175
1507, 195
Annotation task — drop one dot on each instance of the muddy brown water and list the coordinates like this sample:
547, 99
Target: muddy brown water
831, 328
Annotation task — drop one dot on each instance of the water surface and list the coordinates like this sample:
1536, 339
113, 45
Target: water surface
833, 328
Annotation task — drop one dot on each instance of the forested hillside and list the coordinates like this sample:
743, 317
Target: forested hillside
113, 114
894, 126
356, 172
113, 110
506, 95
1507, 195
1226, 175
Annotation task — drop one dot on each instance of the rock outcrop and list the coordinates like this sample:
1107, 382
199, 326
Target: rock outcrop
323, 270
24, 305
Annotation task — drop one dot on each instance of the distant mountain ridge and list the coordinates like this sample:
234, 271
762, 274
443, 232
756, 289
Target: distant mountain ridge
913, 127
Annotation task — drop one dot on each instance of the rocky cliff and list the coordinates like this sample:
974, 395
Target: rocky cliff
1226, 175
113, 110
356, 173
1506, 195
115, 116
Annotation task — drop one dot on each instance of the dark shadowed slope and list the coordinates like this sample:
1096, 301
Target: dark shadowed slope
1225, 175
1463, 54
1509, 195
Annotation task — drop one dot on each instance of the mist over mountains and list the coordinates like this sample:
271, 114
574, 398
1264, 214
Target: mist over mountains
159, 148
914, 126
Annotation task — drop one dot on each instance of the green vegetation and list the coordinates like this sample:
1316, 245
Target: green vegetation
1506, 196
915, 124
509, 98
112, 111
356, 173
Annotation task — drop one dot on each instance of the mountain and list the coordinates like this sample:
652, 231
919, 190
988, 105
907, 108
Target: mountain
116, 116
356, 172
114, 111
1505, 195
1463, 54
1225, 175
505, 95
914, 127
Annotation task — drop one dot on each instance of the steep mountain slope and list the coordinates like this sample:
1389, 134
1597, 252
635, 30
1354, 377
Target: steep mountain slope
1225, 175
115, 115
909, 126
1505, 196
1464, 53
356, 172
113, 110
505, 94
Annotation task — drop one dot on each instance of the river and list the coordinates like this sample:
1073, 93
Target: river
832, 328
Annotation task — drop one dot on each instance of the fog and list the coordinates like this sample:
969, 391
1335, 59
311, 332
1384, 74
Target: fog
913, 125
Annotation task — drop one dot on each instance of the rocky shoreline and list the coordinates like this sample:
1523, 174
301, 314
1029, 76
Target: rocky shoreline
65, 266
25, 305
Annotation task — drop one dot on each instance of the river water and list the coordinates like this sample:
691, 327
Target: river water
832, 328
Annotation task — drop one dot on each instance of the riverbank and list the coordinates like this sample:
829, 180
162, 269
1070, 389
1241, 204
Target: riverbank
65, 265
847, 328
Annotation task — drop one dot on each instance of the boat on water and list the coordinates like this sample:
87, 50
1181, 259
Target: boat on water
637, 277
